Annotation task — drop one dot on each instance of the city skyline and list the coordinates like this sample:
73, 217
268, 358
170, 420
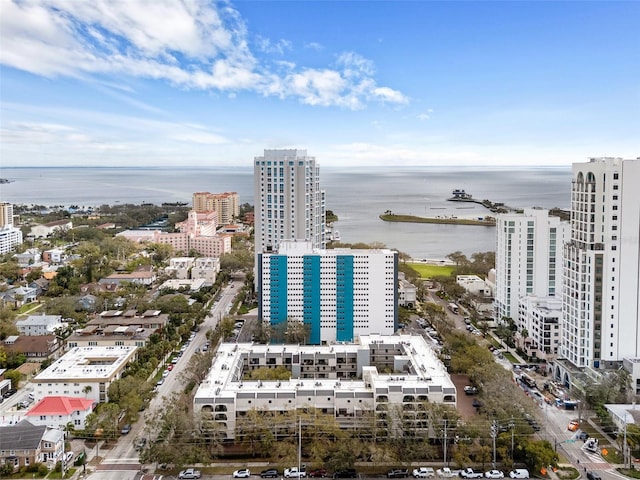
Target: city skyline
375, 83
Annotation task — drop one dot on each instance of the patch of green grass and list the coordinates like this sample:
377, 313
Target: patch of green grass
68, 474
613, 455
510, 357
629, 472
429, 271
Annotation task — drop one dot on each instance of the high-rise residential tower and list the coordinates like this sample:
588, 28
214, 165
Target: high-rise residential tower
339, 294
289, 204
6, 214
226, 205
528, 258
601, 292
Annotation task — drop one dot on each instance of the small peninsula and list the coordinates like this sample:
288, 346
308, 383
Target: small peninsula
392, 217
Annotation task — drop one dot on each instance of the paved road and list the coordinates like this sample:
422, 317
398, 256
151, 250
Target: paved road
123, 456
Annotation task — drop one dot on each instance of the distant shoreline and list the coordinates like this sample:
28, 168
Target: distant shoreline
446, 221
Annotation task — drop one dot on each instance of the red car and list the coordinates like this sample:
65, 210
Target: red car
318, 473
170, 367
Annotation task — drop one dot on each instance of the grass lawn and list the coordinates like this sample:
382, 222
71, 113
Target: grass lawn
510, 357
429, 271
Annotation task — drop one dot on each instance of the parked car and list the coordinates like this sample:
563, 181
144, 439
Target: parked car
269, 473
318, 473
424, 472
189, 474
471, 473
494, 474
140, 443
470, 390
67, 458
8, 393
242, 473
126, 429
294, 473
345, 473
398, 473
444, 472
519, 473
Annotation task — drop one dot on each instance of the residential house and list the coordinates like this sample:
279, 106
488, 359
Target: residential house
19, 296
28, 257
55, 255
87, 302
35, 348
40, 324
139, 277
24, 444
61, 411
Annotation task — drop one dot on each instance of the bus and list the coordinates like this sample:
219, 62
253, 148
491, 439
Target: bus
454, 308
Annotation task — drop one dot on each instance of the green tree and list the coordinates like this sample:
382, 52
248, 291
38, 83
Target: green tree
539, 454
15, 376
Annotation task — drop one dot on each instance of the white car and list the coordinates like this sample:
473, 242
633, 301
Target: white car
444, 472
424, 472
294, 473
519, 473
494, 474
67, 457
242, 473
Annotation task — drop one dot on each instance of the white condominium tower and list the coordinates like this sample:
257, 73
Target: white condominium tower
289, 204
528, 258
339, 294
601, 306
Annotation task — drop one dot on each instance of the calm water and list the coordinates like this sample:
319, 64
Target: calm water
357, 196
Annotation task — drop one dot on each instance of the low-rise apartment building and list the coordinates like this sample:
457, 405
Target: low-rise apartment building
342, 381
84, 372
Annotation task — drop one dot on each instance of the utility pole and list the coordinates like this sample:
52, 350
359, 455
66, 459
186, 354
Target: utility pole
494, 434
512, 426
624, 441
445, 441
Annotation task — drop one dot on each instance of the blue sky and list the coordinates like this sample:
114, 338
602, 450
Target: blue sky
196, 82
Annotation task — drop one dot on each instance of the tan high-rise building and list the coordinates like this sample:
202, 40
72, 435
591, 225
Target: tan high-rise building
226, 205
6, 214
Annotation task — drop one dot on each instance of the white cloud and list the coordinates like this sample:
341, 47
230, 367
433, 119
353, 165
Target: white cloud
425, 115
191, 44
387, 94
280, 46
314, 46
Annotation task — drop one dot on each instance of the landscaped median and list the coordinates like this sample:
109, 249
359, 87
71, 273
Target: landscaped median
490, 222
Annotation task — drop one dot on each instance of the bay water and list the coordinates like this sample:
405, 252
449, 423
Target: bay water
357, 195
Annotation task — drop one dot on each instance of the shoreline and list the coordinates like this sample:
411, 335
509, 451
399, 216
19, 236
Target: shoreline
446, 221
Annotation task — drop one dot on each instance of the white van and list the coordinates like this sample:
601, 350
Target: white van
519, 473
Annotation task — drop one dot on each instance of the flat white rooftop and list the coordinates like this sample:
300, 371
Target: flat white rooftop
81, 363
422, 369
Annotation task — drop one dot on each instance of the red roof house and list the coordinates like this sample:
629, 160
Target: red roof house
61, 411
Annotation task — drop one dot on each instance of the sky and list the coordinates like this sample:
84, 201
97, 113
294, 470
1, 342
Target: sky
355, 83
